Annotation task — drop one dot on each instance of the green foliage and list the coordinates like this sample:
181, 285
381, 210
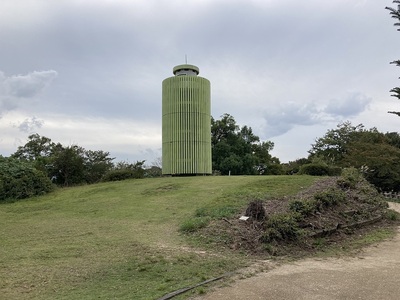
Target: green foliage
36, 148
319, 169
375, 153
283, 226
329, 198
293, 167
303, 207
96, 164
124, 170
19, 180
333, 145
66, 166
153, 171
321, 200
349, 179
117, 175
380, 162
238, 151
393, 139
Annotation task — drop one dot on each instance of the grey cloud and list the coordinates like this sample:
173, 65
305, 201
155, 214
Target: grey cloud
29, 125
27, 86
15, 88
281, 118
284, 117
351, 105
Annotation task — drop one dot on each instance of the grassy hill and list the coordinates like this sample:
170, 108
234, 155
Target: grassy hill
121, 240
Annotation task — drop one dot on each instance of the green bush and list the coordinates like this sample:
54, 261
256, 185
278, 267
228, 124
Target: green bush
124, 171
283, 226
349, 179
19, 180
321, 200
329, 198
117, 175
303, 207
319, 169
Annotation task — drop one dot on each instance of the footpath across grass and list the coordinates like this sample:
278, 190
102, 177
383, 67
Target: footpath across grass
121, 240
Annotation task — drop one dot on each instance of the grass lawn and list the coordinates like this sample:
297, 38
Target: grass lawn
121, 240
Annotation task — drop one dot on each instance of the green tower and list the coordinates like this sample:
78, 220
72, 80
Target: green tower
186, 123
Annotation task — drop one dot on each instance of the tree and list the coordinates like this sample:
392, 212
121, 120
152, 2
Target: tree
266, 163
395, 13
37, 150
96, 164
293, 167
68, 166
380, 163
65, 165
333, 145
237, 150
376, 153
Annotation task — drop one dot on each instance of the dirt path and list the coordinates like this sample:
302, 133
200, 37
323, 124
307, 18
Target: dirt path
374, 274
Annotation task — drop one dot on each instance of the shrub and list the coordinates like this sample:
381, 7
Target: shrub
124, 170
117, 175
19, 180
349, 179
329, 198
303, 207
319, 169
283, 226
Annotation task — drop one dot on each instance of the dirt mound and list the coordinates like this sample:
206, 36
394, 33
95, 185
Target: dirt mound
371, 274
330, 211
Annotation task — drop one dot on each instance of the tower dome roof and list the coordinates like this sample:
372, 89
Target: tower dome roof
185, 69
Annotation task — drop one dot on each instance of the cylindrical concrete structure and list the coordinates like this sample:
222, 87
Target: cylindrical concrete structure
186, 123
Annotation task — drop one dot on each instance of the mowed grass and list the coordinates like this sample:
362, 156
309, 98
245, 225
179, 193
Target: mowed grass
121, 240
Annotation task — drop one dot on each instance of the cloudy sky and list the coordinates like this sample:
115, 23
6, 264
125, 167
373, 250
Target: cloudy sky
89, 72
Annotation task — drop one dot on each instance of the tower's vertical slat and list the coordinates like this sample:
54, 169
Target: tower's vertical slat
186, 120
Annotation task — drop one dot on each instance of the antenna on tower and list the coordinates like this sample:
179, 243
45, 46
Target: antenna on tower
185, 58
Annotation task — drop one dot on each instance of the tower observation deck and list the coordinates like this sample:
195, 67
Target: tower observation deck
186, 123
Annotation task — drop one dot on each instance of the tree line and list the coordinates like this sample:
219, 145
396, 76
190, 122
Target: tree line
40, 164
